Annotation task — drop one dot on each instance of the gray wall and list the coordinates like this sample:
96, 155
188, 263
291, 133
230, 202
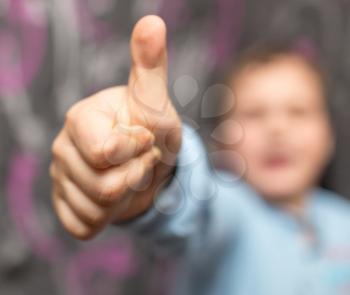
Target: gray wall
55, 52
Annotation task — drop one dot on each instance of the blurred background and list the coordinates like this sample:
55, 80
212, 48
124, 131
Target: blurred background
55, 52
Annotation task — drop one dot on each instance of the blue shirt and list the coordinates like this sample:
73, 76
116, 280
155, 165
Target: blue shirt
223, 238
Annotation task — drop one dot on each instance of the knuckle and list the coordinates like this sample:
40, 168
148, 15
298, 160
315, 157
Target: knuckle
110, 190
53, 172
83, 234
75, 114
97, 218
77, 230
70, 118
72, 113
112, 148
56, 148
96, 155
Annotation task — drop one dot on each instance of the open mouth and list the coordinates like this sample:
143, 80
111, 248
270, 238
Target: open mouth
277, 162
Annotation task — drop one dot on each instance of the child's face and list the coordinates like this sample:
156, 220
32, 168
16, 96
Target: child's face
287, 135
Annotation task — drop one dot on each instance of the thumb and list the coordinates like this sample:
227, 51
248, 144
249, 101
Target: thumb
148, 76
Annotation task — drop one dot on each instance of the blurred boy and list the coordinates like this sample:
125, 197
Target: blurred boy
123, 157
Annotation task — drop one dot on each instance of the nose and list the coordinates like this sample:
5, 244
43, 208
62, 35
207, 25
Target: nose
278, 124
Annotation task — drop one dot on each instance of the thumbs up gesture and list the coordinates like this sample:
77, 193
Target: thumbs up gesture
119, 146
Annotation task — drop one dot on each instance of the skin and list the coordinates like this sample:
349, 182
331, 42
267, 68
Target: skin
119, 146
287, 132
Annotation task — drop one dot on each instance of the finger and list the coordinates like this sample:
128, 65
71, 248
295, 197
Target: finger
137, 200
148, 76
126, 142
82, 206
148, 44
140, 170
104, 187
70, 221
91, 127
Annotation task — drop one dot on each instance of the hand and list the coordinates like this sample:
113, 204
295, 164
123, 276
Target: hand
118, 146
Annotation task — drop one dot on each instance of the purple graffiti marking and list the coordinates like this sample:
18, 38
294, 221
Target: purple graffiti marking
113, 259
24, 167
227, 29
22, 48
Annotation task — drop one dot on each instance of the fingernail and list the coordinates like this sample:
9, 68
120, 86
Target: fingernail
157, 155
149, 138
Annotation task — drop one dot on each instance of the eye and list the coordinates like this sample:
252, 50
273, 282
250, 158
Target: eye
253, 114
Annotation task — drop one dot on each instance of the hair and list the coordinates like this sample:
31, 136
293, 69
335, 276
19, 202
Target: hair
263, 54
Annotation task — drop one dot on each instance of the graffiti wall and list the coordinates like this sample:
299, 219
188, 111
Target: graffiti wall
55, 52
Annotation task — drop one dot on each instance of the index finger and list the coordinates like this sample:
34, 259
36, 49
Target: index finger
102, 142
